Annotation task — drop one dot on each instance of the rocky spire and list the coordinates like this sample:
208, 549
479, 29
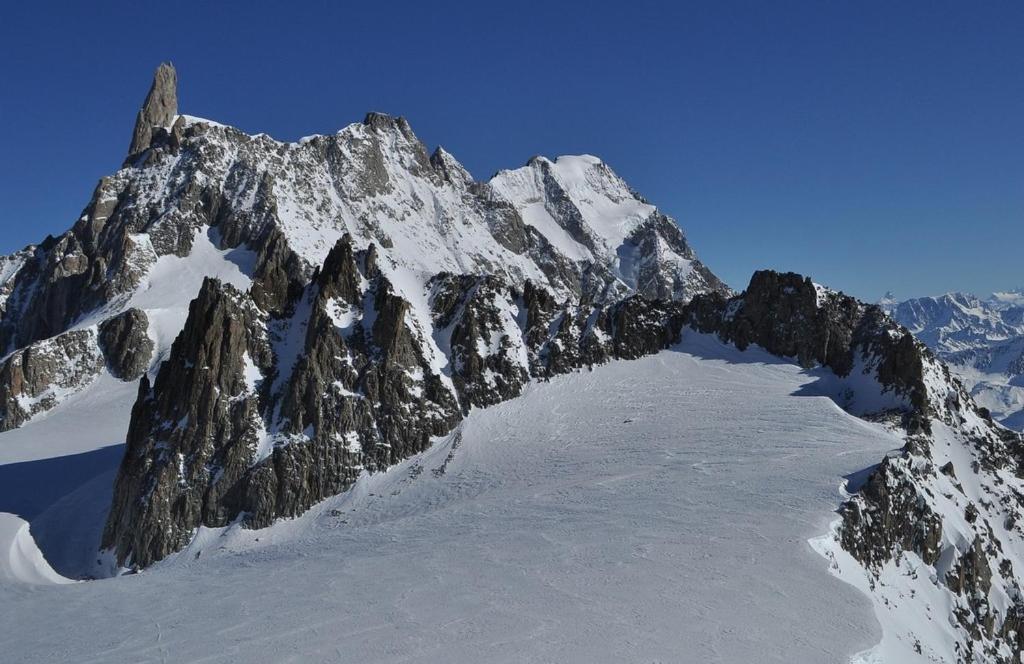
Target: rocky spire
158, 110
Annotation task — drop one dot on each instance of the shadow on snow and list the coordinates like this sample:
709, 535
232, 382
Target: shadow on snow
65, 501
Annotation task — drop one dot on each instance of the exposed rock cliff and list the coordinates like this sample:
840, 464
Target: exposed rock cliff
790, 316
124, 340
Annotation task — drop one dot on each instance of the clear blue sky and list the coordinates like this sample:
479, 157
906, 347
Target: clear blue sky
870, 145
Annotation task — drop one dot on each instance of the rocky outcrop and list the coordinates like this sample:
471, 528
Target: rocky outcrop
944, 513
205, 446
159, 109
363, 382
193, 432
486, 352
124, 340
783, 314
499, 337
890, 518
40, 376
790, 316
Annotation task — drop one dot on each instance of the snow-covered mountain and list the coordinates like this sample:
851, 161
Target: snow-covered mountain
982, 340
349, 296
338, 401
957, 322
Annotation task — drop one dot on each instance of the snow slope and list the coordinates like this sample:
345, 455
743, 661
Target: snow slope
57, 472
603, 199
651, 510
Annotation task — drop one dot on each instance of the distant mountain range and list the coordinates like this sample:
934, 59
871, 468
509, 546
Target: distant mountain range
981, 339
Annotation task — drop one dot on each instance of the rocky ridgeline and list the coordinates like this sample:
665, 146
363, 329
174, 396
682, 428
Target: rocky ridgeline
953, 498
259, 416
790, 316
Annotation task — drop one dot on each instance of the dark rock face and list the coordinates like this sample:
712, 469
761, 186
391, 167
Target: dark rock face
781, 313
363, 384
63, 269
158, 110
487, 357
204, 446
279, 275
193, 432
33, 379
124, 340
890, 518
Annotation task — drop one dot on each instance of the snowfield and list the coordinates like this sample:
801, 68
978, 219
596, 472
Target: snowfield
653, 510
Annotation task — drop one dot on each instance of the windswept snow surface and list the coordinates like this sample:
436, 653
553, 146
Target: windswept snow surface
652, 510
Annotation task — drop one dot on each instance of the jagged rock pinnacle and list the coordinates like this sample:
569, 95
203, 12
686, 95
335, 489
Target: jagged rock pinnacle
158, 110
